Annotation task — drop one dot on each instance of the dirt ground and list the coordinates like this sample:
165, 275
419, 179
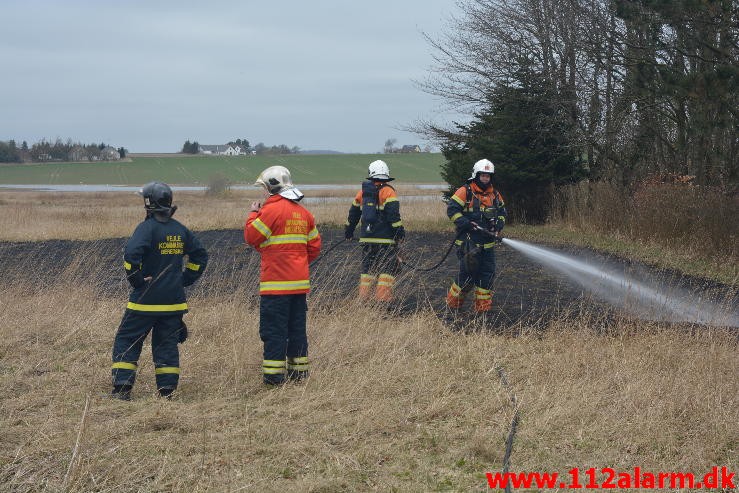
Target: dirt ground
527, 295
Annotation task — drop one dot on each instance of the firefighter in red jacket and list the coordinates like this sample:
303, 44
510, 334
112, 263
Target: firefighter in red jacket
377, 206
478, 212
285, 235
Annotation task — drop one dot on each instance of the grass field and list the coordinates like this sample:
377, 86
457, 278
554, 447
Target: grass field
199, 170
395, 402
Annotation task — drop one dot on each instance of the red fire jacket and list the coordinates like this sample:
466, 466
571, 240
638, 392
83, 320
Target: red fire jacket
285, 235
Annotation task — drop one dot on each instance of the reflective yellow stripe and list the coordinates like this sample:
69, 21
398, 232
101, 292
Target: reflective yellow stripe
156, 308
390, 199
456, 216
366, 279
273, 371
122, 365
396, 225
455, 289
377, 240
126, 265
355, 203
457, 200
489, 245
347, 223
458, 242
275, 363
299, 360
313, 233
285, 239
192, 266
305, 367
163, 370
261, 227
284, 285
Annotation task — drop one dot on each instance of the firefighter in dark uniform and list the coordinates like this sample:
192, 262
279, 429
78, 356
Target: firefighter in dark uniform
479, 214
154, 262
285, 235
377, 206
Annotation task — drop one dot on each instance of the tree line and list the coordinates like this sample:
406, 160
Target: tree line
259, 149
58, 150
613, 90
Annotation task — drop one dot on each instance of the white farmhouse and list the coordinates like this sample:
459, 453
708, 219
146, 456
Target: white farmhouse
223, 150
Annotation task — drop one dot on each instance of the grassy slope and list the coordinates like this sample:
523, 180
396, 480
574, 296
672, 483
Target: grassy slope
306, 169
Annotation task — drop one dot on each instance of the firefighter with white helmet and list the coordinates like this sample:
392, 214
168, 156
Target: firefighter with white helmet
376, 205
285, 235
478, 212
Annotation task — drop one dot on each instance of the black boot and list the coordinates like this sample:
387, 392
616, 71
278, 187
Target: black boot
122, 392
166, 392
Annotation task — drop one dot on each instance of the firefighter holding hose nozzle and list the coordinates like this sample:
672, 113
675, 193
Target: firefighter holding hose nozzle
478, 212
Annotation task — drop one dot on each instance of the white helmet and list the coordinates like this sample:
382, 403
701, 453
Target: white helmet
482, 166
378, 170
276, 179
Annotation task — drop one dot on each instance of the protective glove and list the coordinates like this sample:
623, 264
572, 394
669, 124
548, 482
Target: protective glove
465, 227
136, 279
182, 334
348, 232
399, 233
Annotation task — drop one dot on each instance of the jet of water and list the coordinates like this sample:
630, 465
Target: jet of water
658, 302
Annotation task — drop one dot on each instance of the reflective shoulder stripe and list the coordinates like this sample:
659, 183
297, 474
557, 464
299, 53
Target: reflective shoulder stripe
124, 365
261, 227
156, 308
456, 216
397, 224
457, 200
391, 199
355, 203
386, 241
126, 265
314, 232
192, 266
163, 370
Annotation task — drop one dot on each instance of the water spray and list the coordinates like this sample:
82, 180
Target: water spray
655, 302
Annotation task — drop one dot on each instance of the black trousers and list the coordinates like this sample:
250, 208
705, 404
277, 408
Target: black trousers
380, 259
165, 332
282, 322
476, 268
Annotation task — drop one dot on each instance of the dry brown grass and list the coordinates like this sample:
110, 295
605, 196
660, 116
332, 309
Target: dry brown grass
32, 216
396, 405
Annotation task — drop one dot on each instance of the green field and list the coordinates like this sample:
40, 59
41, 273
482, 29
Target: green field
199, 170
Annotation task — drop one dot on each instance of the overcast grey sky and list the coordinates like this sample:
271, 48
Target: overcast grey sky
146, 75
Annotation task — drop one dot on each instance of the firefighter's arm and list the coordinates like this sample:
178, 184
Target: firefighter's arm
502, 215
391, 207
355, 214
314, 241
197, 259
257, 229
455, 209
133, 255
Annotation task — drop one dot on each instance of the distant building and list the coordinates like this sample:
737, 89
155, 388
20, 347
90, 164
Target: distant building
410, 148
223, 150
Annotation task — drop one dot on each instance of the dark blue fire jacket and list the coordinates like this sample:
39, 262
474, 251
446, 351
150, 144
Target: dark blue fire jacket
157, 250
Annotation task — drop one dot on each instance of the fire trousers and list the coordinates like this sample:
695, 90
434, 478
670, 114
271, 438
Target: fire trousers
282, 321
165, 333
476, 270
379, 267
